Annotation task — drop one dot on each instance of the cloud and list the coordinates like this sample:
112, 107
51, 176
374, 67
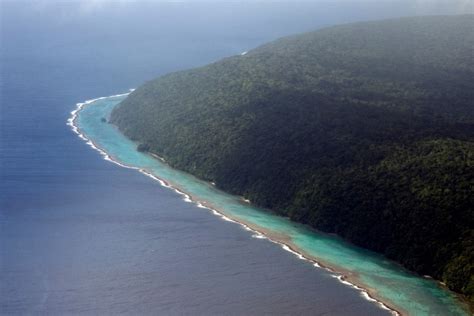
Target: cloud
91, 6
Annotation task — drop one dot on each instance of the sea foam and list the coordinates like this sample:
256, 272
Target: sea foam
187, 198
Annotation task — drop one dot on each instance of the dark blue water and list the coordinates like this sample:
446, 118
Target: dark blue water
81, 235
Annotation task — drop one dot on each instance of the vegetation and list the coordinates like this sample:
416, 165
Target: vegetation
143, 147
365, 130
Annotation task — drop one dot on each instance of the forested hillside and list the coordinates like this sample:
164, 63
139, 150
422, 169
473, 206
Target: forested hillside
365, 130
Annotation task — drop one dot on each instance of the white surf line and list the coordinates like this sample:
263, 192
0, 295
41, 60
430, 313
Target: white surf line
187, 198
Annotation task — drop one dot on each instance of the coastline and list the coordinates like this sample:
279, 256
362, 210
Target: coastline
344, 276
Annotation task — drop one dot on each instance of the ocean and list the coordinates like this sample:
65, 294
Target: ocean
80, 235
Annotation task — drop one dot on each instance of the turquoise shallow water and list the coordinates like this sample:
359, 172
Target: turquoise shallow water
393, 284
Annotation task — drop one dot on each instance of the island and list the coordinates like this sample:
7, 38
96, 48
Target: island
363, 130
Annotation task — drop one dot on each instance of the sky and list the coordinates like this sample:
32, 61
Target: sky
89, 6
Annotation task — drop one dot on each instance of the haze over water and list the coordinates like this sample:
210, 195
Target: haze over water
80, 235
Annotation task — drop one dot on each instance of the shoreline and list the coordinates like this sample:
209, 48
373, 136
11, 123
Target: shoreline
344, 276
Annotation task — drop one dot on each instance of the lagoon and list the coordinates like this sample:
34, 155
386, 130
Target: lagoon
377, 279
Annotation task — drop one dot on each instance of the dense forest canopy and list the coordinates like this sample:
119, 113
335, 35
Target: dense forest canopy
365, 130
